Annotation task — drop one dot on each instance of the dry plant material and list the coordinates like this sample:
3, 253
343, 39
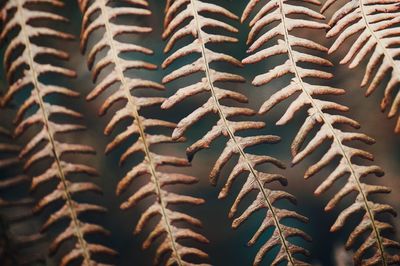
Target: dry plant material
26, 73
187, 18
122, 87
280, 13
376, 25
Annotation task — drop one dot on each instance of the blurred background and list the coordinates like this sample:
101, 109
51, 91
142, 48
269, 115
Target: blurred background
227, 246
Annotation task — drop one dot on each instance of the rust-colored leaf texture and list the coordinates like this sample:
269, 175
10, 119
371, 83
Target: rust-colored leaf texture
376, 25
25, 72
324, 117
168, 227
190, 18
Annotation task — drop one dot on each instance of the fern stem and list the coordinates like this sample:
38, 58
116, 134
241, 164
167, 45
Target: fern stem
335, 137
68, 197
233, 137
142, 134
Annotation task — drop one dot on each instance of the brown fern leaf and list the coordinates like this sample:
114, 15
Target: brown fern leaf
158, 180
376, 24
192, 11
280, 11
25, 73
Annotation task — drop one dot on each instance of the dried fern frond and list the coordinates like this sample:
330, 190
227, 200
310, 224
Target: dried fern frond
193, 12
327, 124
103, 13
15, 248
376, 24
25, 72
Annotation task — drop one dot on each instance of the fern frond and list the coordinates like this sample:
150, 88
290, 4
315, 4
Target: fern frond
193, 12
158, 180
376, 24
25, 72
318, 116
